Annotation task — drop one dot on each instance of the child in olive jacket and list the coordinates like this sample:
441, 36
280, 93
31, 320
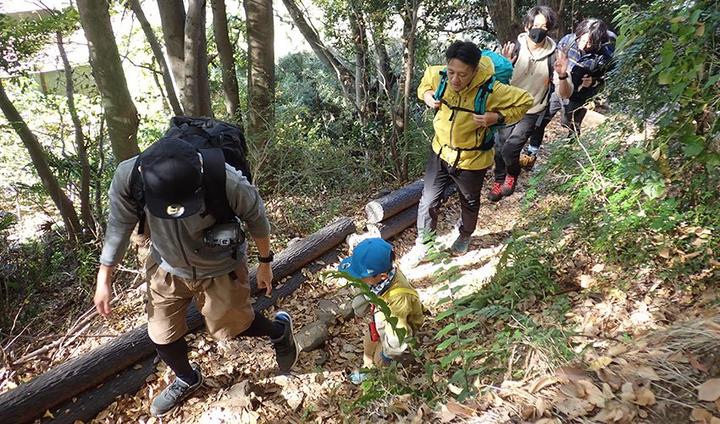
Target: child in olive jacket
372, 262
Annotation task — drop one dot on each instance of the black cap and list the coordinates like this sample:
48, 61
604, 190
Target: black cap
171, 171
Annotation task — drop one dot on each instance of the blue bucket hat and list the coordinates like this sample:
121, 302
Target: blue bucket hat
370, 257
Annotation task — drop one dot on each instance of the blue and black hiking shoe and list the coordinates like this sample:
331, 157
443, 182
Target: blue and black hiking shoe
460, 245
286, 349
174, 394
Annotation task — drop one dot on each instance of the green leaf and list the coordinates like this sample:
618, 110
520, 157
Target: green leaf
712, 81
448, 328
694, 145
444, 300
665, 78
447, 360
469, 326
444, 314
444, 345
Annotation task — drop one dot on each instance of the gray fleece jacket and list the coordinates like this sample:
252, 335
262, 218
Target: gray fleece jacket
177, 244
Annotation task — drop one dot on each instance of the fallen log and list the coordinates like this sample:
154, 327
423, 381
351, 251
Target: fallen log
32, 399
390, 228
306, 250
393, 203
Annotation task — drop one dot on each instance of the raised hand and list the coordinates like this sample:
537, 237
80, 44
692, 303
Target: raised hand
508, 50
561, 62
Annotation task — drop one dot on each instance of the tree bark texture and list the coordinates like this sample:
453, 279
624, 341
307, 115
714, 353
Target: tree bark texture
196, 89
159, 56
226, 53
80, 146
30, 400
395, 224
39, 159
359, 34
172, 19
410, 21
505, 19
261, 71
120, 112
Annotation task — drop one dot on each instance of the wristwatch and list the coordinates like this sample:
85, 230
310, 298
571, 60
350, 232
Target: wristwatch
563, 77
266, 259
501, 118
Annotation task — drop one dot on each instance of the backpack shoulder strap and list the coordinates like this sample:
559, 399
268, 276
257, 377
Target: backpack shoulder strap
440, 91
137, 191
482, 94
216, 201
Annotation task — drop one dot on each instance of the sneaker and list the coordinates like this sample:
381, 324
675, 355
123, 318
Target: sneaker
460, 245
527, 161
508, 186
495, 192
174, 394
416, 255
286, 349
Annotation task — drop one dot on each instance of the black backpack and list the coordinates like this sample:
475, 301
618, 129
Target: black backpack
219, 143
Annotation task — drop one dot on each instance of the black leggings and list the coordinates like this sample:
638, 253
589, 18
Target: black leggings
175, 354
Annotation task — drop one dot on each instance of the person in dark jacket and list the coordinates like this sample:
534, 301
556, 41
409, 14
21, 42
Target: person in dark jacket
589, 50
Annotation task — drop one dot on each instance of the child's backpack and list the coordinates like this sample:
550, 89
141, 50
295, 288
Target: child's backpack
219, 143
503, 73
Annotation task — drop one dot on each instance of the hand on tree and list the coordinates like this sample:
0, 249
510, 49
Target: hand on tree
587, 81
430, 100
486, 120
264, 277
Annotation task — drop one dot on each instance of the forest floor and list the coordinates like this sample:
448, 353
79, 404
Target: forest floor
646, 353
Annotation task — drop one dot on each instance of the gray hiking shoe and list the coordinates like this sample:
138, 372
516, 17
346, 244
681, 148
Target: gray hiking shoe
460, 245
286, 349
174, 394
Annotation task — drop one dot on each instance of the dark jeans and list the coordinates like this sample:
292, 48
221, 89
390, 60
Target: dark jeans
509, 142
572, 117
438, 176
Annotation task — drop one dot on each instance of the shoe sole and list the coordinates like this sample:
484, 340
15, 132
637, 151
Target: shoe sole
297, 347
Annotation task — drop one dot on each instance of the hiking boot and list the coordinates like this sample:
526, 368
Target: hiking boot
416, 255
286, 349
460, 245
527, 161
174, 394
495, 193
508, 187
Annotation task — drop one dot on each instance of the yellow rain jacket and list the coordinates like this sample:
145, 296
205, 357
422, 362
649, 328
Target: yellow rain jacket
461, 131
405, 305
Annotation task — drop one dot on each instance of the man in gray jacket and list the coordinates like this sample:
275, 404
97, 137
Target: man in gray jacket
182, 265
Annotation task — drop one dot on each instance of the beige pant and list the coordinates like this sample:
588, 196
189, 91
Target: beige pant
223, 301
372, 352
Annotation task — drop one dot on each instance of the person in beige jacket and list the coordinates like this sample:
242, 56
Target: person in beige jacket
540, 69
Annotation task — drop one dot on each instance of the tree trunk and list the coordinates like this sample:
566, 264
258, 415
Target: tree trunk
505, 19
410, 36
196, 91
172, 19
261, 71
120, 112
359, 34
80, 146
227, 60
159, 57
342, 73
39, 159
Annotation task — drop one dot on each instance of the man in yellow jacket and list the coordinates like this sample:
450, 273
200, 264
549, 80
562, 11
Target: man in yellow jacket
459, 153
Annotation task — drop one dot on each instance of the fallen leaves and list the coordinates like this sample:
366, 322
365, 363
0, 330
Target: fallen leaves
709, 391
703, 416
